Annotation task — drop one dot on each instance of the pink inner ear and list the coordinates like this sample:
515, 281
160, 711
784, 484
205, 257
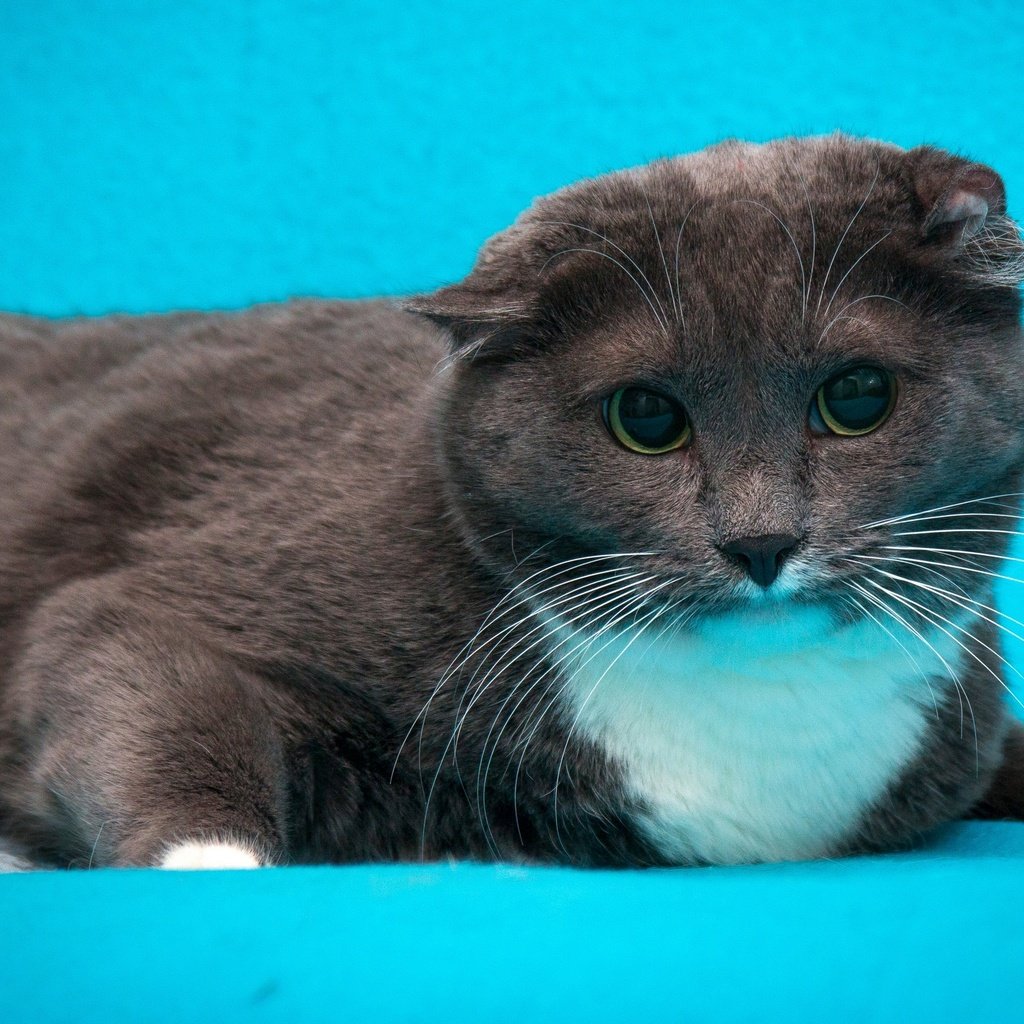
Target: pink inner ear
966, 204
961, 205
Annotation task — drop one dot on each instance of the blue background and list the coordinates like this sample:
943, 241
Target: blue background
159, 155
162, 154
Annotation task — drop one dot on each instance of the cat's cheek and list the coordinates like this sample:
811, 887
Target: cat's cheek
200, 856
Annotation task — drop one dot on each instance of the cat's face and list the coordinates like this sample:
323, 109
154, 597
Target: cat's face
736, 362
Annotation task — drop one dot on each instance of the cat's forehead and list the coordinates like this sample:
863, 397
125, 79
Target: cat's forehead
749, 249
735, 259
802, 187
745, 240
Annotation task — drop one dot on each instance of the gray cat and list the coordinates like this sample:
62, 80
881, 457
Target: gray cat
666, 537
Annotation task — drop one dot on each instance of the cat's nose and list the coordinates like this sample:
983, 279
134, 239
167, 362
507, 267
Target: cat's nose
761, 556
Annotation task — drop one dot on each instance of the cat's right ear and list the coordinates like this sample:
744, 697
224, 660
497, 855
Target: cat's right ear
474, 319
491, 311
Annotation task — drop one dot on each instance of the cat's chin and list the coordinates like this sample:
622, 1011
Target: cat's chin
772, 623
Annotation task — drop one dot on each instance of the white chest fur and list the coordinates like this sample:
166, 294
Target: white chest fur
761, 736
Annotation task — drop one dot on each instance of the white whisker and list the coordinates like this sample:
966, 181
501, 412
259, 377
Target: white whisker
931, 615
558, 569
953, 675
622, 611
587, 642
928, 569
796, 249
814, 247
605, 579
990, 499
644, 622
453, 739
926, 612
903, 647
663, 318
679, 237
952, 551
877, 295
661, 252
852, 267
969, 604
597, 596
659, 317
927, 533
962, 568
835, 320
604, 596
842, 239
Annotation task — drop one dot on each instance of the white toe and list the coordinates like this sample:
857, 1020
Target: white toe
198, 856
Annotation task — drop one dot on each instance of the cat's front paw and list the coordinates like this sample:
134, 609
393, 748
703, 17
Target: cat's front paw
202, 855
11, 862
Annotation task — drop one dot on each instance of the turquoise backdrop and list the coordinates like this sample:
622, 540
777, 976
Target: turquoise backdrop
157, 155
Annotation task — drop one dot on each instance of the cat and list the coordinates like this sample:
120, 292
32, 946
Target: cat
666, 537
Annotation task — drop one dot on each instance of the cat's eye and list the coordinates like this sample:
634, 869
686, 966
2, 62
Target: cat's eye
645, 421
855, 401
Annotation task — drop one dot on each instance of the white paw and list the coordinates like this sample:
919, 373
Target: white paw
10, 863
199, 856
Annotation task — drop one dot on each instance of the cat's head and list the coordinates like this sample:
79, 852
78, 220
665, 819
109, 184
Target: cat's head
738, 362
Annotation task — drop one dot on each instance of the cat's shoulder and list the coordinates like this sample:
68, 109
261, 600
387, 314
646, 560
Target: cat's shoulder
273, 349
87, 347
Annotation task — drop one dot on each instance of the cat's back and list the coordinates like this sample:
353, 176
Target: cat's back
62, 378
108, 424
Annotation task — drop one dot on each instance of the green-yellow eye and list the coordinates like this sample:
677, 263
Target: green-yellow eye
856, 401
645, 421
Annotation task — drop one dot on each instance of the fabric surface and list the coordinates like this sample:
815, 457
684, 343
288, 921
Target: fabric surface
930, 936
185, 154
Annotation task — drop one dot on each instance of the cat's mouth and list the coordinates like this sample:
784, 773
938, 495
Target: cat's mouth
798, 605
798, 614
781, 626
812, 597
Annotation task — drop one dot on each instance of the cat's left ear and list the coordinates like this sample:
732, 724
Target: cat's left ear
964, 217
960, 197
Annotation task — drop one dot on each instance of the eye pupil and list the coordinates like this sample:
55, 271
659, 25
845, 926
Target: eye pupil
645, 421
857, 400
648, 417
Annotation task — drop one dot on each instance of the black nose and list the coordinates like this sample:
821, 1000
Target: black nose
762, 556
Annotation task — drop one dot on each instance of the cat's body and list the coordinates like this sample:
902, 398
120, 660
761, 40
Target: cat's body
188, 470
296, 579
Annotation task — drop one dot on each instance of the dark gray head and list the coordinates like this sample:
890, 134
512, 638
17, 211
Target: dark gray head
738, 359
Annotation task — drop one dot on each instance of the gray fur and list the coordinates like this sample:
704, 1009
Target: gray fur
239, 552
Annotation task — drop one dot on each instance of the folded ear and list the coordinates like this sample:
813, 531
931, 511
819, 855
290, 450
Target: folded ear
472, 315
959, 197
964, 207
490, 308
